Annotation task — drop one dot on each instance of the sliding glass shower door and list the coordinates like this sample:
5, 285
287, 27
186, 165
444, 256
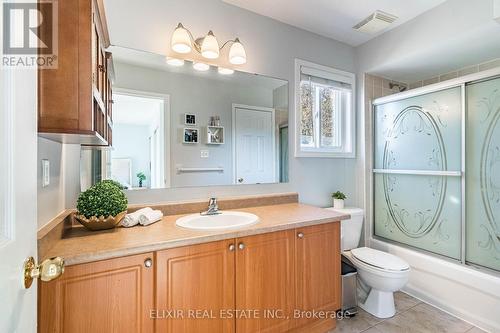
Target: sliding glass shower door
430, 148
417, 176
483, 174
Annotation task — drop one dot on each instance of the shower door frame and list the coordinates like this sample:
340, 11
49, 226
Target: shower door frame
460, 82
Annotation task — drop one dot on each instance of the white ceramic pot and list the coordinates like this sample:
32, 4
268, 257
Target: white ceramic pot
338, 203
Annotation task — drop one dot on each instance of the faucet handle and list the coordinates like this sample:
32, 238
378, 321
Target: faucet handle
213, 201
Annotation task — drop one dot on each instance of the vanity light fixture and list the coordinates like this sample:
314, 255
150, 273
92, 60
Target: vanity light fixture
225, 71
183, 42
200, 66
210, 46
237, 54
174, 62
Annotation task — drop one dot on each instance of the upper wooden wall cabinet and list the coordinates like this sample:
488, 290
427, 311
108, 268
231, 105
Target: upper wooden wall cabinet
74, 100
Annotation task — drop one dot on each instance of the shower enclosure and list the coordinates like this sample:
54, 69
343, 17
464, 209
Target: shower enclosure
436, 169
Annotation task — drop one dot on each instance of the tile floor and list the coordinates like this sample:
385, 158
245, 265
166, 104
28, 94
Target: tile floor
412, 316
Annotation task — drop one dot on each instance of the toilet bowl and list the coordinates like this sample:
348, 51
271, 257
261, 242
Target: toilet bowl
380, 273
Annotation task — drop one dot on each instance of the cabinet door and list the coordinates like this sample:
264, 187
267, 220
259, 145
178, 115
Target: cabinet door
265, 282
318, 269
195, 288
58, 89
113, 295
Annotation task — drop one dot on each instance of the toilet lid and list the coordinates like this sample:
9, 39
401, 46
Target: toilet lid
380, 259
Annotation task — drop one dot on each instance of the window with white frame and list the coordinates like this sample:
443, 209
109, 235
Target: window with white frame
324, 111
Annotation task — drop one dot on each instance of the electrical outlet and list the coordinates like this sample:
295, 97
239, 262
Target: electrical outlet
204, 154
45, 173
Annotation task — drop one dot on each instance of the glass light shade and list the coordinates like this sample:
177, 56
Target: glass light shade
237, 54
174, 62
210, 46
199, 66
181, 41
225, 71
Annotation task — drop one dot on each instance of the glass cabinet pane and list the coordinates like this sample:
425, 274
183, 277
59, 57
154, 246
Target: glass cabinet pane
419, 210
483, 174
419, 133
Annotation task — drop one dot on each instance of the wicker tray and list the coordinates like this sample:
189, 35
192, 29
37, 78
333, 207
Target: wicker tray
100, 223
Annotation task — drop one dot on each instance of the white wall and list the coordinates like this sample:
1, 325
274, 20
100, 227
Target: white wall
51, 198
453, 35
64, 179
132, 141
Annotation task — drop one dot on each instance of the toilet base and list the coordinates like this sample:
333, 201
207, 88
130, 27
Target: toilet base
379, 303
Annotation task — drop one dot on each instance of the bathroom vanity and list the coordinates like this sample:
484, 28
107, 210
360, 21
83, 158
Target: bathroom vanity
165, 278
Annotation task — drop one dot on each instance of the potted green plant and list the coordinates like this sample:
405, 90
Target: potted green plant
338, 199
102, 206
142, 177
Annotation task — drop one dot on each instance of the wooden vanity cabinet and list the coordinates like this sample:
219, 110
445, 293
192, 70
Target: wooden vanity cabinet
191, 278
72, 105
318, 274
250, 284
114, 295
265, 282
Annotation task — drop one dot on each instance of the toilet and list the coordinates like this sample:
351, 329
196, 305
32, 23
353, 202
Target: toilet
380, 273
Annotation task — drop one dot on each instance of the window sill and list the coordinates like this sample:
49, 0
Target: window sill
299, 154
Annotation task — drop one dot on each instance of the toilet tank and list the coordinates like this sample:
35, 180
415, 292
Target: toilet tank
350, 229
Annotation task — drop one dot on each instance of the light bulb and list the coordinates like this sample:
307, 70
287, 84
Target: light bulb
237, 54
174, 62
200, 66
181, 41
225, 71
210, 46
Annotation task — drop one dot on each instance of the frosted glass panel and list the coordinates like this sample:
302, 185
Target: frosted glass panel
421, 211
483, 174
420, 133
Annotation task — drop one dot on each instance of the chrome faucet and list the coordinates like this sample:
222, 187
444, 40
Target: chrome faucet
213, 209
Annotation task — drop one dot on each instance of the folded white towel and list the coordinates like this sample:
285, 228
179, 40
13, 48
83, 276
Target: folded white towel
150, 217
133, 218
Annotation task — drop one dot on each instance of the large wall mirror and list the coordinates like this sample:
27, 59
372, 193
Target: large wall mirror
177, 126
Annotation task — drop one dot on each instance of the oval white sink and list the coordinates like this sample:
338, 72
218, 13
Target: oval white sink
224, 220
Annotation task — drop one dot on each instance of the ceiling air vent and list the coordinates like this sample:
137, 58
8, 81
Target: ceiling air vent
376, 22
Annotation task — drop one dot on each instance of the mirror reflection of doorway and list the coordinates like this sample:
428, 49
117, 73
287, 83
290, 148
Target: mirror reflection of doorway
140, 139
254, 141
283, 153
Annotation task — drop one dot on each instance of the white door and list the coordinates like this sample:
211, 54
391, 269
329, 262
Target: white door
254, 145
18, 195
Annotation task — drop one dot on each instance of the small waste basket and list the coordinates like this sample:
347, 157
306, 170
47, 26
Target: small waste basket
349, 289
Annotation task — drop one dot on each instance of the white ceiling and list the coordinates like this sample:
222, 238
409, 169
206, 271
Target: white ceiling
335, 18
135, 110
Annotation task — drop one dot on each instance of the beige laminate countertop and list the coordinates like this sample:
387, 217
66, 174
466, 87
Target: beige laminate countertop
80, 245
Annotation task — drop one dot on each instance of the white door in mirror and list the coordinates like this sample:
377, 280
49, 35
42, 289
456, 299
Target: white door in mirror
224, 220
254, 148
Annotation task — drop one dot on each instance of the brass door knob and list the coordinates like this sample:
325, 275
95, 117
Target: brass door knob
231, 247
241, 246
300, 235
48, 270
